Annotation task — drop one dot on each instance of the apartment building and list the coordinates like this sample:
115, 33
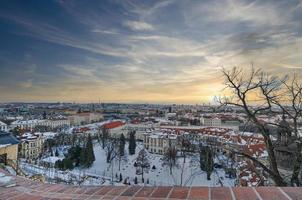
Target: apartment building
84, 118
31, 124
210, 121
3, 126
31, 146
158, 142
116, 128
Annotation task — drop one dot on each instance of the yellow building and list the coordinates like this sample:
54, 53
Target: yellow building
8, 147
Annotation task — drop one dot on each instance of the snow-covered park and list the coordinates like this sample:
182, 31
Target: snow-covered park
101, 172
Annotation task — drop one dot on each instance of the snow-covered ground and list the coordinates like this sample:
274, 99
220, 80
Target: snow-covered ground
100, 173
192, 175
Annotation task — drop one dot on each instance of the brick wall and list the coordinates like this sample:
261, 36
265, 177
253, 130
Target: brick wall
27, 189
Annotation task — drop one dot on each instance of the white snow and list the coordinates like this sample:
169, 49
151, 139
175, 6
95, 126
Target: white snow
100, 173
52, 159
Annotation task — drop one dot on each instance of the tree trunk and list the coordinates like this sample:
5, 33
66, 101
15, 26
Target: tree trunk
297, 167
119, 163
273, 164
142, 174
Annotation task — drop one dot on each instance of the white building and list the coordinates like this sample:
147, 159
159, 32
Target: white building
210, 121
31, 124
26, 124
85, 118
54, 123
116, 128
3, 126
31, 146
158, 142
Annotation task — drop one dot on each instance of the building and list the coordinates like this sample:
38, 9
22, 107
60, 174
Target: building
85, 118
3, 127
159, 142
31, 124
31, 146
26, 124
55, 123
210, 121
116, 128
8, 147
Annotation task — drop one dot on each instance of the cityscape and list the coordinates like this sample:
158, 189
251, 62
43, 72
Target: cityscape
150, 99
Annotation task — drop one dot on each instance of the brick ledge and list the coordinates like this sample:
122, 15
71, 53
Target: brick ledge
27, 189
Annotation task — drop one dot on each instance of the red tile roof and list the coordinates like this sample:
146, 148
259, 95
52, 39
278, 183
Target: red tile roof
112, 125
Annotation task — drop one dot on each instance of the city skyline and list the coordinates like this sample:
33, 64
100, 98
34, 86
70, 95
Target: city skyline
140, 51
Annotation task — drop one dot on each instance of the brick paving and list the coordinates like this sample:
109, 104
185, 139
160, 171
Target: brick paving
27, 189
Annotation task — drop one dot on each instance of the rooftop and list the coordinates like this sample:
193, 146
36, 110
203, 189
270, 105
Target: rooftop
28, 189
7, 138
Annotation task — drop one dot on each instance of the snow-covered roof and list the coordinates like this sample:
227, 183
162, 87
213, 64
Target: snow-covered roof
32, 121
52, 159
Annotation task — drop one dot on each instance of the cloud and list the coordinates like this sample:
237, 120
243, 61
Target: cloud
138, 25
141, 52
27, 84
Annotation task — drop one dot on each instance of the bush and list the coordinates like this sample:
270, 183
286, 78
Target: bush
67, 164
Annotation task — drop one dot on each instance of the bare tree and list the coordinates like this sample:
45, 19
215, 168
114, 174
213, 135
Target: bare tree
170, 157
111, 149
103, 135
143, 162
264, 89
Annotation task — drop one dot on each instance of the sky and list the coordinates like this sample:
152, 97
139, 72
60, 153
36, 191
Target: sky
142, 51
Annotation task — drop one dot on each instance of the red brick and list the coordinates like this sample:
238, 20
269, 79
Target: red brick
145, 192
91, 190
220, 193
246, 193
104, 190
294, 192
200, 193
179, 193
161, 192
117, 190
270, 193
131, 191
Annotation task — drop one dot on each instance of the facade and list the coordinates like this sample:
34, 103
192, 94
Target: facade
116, 128
26, 124
31, 124
54, 123
210, 121
84, 118
3, 126
31, 146
159, 142
8, 147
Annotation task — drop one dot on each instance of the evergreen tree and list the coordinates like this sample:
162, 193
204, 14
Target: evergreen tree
58, 164
90, 158
122, 145
206, 160
67, 164
57, 152
104, 136
142, 162
132, 143
44, 115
